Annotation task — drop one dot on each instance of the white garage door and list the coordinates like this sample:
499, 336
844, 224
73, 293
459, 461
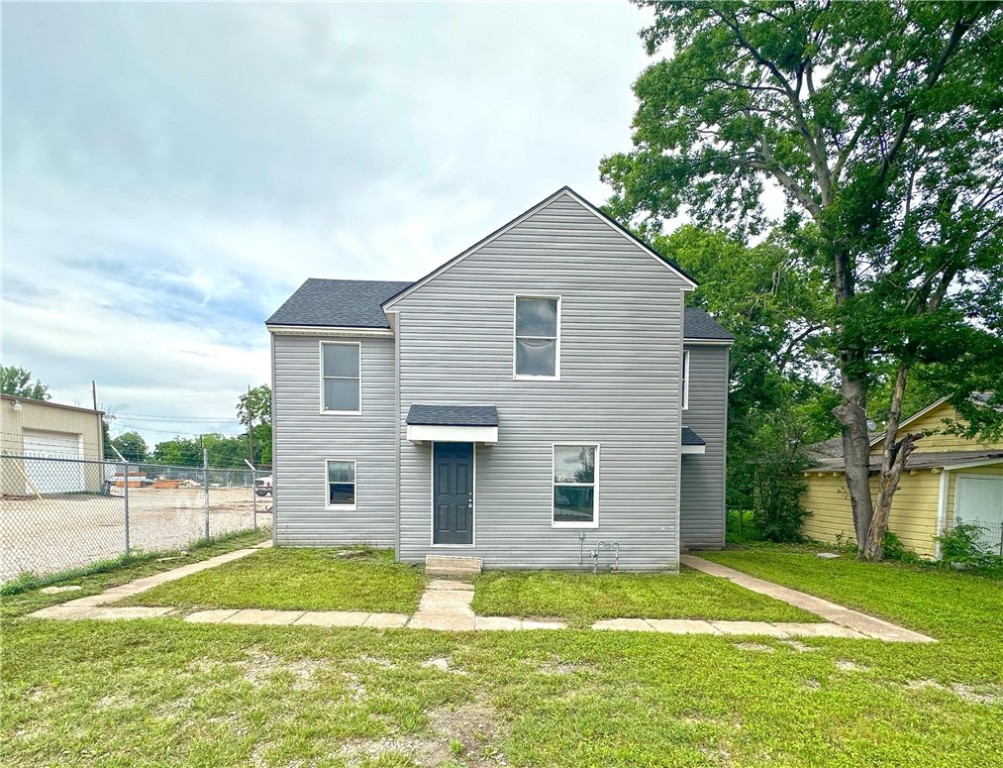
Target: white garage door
53, 476
980, 502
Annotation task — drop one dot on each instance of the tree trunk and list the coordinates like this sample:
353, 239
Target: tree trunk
852, 414
893, 460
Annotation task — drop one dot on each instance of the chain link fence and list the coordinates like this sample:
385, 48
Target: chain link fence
59, 513
987, 535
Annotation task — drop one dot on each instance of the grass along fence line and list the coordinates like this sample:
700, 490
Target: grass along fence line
24, 596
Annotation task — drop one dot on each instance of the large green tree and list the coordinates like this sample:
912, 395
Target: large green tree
131, 445
880, 128
254, 411
17, 382
774, 304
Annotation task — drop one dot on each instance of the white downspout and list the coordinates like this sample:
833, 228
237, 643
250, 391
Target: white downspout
941, 510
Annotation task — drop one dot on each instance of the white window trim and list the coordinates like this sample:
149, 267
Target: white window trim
431, 504
557, 352
594, 485
324, 411
327, 486
685, 375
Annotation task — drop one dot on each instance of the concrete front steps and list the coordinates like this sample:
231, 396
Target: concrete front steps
445, 567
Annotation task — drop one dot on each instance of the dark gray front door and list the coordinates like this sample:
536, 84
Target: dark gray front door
453, 493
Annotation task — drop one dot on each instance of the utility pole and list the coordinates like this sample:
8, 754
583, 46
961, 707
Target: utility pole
94, 394
250, 427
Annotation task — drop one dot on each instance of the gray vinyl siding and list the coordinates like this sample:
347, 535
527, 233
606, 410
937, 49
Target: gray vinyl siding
305, 438
702, 509
621, 340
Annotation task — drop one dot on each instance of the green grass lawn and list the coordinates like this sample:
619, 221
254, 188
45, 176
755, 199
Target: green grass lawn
581, 598
164, 692
16, 600
294, 578
939, 601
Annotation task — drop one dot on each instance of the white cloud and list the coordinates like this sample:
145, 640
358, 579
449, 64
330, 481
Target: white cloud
172, 172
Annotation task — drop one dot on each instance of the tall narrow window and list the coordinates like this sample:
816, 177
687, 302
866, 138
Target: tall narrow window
537, 337
341, 484
575, 486
341, 380
684, 377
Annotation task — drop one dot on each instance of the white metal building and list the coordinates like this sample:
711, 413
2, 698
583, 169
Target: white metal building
37, 430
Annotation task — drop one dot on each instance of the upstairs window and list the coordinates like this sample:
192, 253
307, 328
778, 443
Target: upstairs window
537, 337
684, 394
575, 486
340, 380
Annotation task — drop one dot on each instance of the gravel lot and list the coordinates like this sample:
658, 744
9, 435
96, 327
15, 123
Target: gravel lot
65, 531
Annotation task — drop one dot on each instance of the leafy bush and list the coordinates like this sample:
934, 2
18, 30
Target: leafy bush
894, 549
962, 545
777, 480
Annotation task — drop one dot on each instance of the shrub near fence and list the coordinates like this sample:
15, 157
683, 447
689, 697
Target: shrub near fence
60, 513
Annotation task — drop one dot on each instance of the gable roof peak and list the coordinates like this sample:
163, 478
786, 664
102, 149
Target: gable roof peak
690, 283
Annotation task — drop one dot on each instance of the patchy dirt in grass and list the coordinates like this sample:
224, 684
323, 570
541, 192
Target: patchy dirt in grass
813, 685
260, 668
463, 733
798, 646
115, 701
989, 695
356, 691
442, 664
556, 666
755, 647
377, 661
845, 665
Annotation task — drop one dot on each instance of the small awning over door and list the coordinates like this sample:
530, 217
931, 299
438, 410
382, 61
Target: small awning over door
692, 442
452, 423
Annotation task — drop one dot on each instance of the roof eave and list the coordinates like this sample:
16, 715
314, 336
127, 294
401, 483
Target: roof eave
328, 330
708, 342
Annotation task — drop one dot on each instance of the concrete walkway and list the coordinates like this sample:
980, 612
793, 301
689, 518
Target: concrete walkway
445, 605
861, 623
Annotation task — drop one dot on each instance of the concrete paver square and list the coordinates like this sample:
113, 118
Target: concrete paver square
683, 626
628, 625
210, 617
333, 618
543, 624
386, 620
131, 612
497, 623
748, 628
819, 630
256, 616
87, 602
64, 612
438, 584
452, 622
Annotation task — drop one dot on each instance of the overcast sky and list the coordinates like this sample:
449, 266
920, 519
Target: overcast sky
171, 173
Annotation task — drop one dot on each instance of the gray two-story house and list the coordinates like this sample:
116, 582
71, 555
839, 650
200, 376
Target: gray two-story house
540, 392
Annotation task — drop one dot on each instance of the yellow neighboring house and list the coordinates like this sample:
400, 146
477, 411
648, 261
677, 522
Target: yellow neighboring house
947, 480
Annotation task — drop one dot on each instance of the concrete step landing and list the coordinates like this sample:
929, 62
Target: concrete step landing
443, 566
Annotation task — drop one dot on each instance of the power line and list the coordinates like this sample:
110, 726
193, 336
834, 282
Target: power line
178, 431
142, 417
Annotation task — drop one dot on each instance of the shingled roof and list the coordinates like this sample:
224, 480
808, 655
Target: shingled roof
692, 438
697, 324
356, 304
453, 415
338, 303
